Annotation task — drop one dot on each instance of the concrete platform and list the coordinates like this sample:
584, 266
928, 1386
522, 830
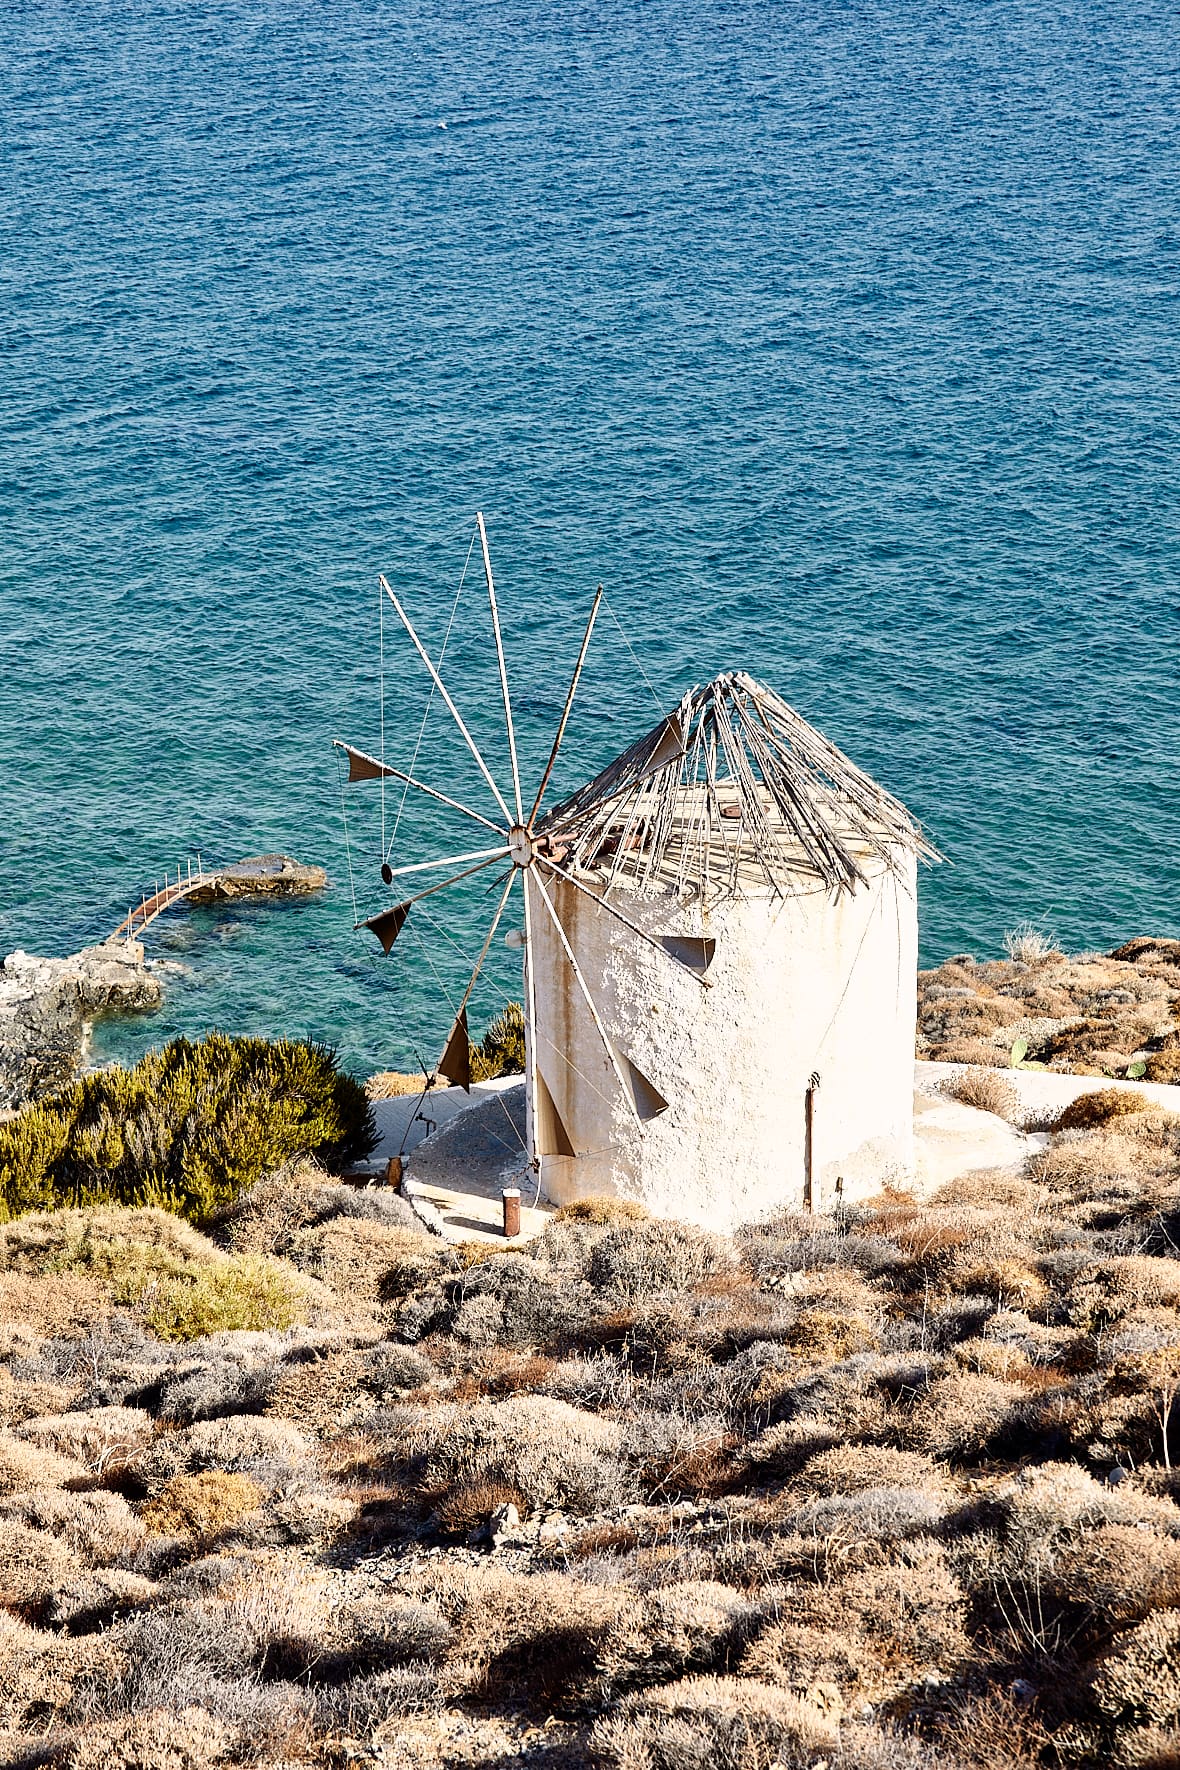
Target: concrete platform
951, 1140
463, 1149
1044, 1091
406, 1120
462, 1169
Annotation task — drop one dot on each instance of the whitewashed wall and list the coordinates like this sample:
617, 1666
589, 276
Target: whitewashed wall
810, 984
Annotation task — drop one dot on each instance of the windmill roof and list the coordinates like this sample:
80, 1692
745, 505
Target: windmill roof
734, 791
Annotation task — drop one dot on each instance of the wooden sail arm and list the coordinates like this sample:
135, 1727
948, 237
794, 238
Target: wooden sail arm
623, 1080
612, 910
487, 566
363, 767
565, 712
449, 703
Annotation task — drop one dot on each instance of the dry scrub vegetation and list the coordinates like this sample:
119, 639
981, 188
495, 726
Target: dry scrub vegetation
888, 1489
1101, 1014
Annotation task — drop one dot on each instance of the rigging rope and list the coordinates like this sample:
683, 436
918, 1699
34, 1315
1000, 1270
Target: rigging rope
634, 659
381, 650
347, 843
450, 1001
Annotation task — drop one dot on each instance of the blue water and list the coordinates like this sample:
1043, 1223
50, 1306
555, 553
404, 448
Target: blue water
839, 341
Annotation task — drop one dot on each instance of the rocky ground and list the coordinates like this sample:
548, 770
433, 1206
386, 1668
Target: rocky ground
888, 1489
1113, 1014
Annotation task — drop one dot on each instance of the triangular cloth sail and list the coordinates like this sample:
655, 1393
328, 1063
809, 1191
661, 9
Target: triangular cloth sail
549, 1134
362, 767
389, 924
455, 1062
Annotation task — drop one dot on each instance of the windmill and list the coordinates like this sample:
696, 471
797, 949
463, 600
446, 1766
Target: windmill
720, 952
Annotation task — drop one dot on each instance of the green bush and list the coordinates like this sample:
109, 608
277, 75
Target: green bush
189, 1128
501, 1050
242, 1292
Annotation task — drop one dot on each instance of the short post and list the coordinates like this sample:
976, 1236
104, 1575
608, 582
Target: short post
511, 1200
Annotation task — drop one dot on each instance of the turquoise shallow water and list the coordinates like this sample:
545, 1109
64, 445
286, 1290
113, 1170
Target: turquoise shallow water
839, 342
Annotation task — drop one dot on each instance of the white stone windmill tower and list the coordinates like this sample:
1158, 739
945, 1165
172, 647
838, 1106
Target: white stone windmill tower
720, 957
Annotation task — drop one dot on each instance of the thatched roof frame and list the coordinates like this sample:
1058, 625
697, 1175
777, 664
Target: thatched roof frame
735, 792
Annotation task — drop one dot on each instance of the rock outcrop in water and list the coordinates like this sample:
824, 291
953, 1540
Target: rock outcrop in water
262, 876
46, 1003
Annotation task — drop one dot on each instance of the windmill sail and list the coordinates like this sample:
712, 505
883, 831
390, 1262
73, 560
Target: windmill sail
388, 925
455, 1062
550, 1136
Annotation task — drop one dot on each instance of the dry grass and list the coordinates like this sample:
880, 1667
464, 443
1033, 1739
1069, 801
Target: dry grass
986, 1091
636, 1259
273, 1450
182, 1283
97, 1437
394, 1084
32, 1564
955, 1048
159, 1739
824, 1335
202, 1505
469, 1506
603, 1210
1118, 1574
24, 1467
728, 1723
24, 1400
101, 1240
553, 1453
1138, 1681
853, 1468
1099, 1107
48, 1304
1164, 1065
97, 1526
1098, 1015
365, 1260
244, 1292
1027, 944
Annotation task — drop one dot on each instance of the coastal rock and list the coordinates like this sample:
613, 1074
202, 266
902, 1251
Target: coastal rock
46, 1003
261, 876
114, 978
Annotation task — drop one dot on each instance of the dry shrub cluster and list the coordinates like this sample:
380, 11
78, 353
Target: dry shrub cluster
201, 1505
893, 1488
182, 1285
1101, 1014
1100, 1108
986, 1091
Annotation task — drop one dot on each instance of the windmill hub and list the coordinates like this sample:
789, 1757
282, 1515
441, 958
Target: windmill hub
521, 846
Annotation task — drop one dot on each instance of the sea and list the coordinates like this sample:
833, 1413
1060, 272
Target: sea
839, 342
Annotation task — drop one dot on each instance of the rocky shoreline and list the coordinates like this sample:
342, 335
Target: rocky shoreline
47, 1005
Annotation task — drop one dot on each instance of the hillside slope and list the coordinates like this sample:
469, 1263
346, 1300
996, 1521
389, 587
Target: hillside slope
889, 1489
